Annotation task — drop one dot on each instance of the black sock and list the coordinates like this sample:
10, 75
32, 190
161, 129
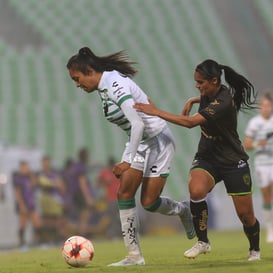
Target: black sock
253, 235
200, 216
21, 234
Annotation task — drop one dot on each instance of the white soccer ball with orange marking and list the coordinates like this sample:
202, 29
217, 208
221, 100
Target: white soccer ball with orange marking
78, 251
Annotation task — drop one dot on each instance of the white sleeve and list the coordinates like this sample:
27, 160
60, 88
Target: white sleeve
137, 127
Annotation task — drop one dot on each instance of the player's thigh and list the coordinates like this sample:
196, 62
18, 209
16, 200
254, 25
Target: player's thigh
151, 189
159, 155
264, 176
201, 182
202, 178
267, 194
264, 180
129, 183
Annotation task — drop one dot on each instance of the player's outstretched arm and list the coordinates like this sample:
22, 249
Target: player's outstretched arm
185, 121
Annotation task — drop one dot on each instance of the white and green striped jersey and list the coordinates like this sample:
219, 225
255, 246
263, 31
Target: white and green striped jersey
259, 128
118, 94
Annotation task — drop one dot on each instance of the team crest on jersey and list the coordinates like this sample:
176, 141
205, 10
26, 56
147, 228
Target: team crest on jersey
246, 179
210, 111
215, 102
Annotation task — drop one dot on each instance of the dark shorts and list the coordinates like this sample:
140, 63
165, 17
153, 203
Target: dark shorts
237, 178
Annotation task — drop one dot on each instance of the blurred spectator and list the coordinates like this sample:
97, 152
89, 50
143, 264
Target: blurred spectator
24, 184
52, 190
66, 173
67, 170
110, 184
80, 203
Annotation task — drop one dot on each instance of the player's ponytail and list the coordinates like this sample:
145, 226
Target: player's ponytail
86, 58
242, 90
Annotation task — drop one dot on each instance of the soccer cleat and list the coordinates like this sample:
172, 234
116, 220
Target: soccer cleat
199, 248
130, 260
186, 220
254, 255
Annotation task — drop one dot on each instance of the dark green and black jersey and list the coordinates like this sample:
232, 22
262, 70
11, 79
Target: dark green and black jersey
219, 140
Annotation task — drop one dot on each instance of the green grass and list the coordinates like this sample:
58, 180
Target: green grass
162, 254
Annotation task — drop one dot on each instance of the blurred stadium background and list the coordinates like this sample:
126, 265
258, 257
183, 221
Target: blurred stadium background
41, 111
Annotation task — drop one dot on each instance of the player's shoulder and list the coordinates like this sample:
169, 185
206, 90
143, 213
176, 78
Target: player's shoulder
113, 77
117, 85
224, 94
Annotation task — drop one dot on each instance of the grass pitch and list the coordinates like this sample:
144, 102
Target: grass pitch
163, 254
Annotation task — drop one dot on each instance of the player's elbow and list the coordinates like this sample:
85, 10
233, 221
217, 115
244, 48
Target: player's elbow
193, 121
139, 124
189, 124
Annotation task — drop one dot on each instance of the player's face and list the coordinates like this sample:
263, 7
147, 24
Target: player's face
87, 82
266, 108
206, 87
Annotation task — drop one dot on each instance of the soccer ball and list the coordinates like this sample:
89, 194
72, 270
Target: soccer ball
78, 251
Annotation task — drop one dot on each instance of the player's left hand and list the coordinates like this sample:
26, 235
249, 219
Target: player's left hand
187, 108
120, 168
149, 109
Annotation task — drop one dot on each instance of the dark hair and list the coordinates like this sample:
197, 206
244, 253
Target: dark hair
268, 96
242, 91
46, 157
116, 61
83, 154
23, 162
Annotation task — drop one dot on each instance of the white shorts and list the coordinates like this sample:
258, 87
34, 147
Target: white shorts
264, 175
154, 156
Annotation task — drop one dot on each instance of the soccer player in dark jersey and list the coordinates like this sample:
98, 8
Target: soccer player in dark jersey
220, 155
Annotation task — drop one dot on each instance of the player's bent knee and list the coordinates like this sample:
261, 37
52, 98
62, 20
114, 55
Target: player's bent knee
151, 206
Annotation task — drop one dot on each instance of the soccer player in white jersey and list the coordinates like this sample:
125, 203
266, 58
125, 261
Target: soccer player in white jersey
148, 154
259, 137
